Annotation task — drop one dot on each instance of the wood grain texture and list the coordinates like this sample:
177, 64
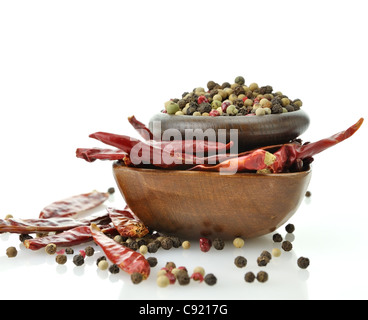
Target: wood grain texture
253, 131
194, 204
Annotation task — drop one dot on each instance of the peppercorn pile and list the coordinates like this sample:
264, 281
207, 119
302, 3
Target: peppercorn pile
235, 99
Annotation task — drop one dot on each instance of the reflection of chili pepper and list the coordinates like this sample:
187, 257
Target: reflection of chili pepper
126, 224
48, 225
74, 205
288, 154
256, 160
128, 260
145, 133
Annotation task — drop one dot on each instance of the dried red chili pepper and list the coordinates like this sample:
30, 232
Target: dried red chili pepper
288, 154
126, 224
255, 160
68, 238
93, 154
128, 260
145, 133
48, 225
74, 205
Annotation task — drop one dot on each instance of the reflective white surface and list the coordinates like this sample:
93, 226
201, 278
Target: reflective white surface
73, 68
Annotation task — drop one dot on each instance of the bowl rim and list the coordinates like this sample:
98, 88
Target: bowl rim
232, 119
117, 165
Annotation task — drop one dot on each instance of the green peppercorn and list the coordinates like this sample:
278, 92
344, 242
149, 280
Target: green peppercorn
172, 108
11, 252
239, 80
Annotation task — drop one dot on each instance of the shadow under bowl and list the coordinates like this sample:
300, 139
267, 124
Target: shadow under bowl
193, 204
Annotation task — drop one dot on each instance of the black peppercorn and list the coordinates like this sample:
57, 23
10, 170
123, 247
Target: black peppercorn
262, 276
262, 261
210, 279
136, 277
133, 245
23, 237
290, 228
249, 277
240, 262
61, 259
114, 269
89, 251
308, 194
218, 244
69, 251
303, 263
226, 85
211, 85
152, 247
277, 237
183, 277
176, 242
287, 246
166, 243
111, 190
266, 254
152, 261
78, 260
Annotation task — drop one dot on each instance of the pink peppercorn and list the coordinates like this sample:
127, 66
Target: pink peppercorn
245, 98
202, 99
214, 113
205, 244
196, 276
82, 253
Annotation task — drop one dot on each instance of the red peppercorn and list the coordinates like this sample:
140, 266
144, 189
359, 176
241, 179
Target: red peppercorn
245, 98
196, 276
202, 99
171, 277
214, 113
205, 244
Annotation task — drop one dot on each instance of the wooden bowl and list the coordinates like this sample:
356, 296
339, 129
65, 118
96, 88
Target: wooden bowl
253, 131
193, 204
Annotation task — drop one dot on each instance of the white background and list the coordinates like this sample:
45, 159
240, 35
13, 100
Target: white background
70, 68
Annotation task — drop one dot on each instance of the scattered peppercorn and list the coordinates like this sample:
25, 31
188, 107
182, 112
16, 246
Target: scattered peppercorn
89, 251
266, 254
100, 259
166, 243
262, 276
111, 190
199, 270
183, 277
11, 252
218, 244
238, 242
308, 194
276, 252
103, 265
143, 249
176, 242
114, 269
61, 259
277, 237
210, 279
152, 247
185, 244
69, 251
163, 281
287, 246
205, 244
262, 261
249, 277
133, 245
290, 228
152, 261
24, 236
78, 260
240, 261
50, 248
136, 277
303, 263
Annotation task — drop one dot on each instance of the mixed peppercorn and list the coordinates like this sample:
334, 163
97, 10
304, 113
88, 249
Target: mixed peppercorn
236, 99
